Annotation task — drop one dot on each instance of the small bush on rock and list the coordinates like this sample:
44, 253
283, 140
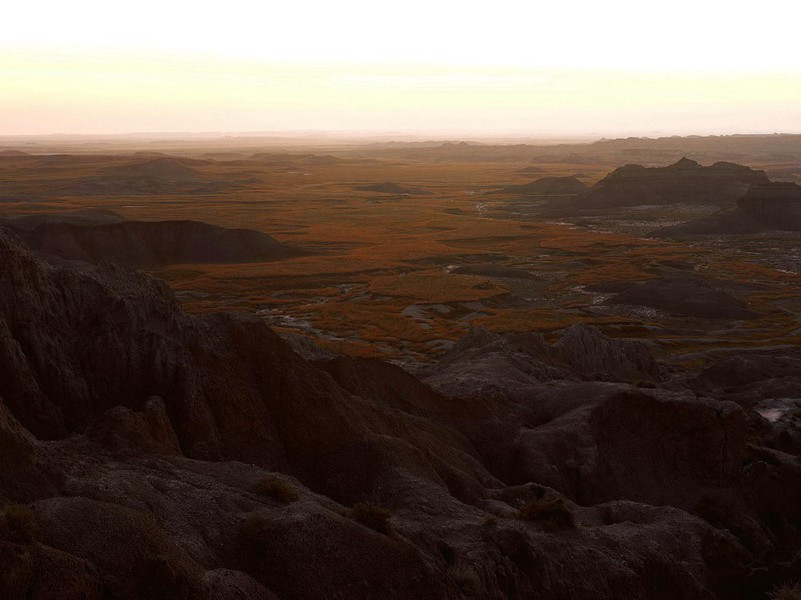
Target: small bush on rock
554, 512
255, 533
466, 578
787, 592
276, 489
372, 516
17, 524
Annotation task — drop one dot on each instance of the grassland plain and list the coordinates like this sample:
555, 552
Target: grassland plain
377, 277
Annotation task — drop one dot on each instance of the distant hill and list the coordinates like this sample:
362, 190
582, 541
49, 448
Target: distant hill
143, 243
531, 170
163, 168
152, 175
684, 182
546, 186
83, 217
308, 160
389, 187
771, 207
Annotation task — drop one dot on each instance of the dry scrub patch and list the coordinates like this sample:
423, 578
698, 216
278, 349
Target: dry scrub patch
373, 516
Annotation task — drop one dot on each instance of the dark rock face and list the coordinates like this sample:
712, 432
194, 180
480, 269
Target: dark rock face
683, 296
485, 365
770, 207
546, 186
595, 356
777, 206
147, 243
652, 448
136, 438
685, 182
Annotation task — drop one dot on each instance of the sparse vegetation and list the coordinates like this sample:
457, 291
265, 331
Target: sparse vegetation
17, 524
255, 533
787, 592
275, 488
554, 512
373, 516
466, 578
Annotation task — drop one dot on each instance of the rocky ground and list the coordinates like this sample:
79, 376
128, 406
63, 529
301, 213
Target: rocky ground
148, 453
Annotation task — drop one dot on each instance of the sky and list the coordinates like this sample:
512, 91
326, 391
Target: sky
528, 69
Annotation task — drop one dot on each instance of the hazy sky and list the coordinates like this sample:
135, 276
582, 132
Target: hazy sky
527, 68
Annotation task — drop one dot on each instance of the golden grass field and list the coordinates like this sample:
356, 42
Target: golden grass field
376, 279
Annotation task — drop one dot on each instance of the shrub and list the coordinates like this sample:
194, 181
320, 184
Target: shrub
466, 578
490, 522
276, 489
17, 524
256, 525
372, 516
554, 512
255, 533
787, 592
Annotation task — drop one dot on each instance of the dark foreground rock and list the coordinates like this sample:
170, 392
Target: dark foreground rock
147, 453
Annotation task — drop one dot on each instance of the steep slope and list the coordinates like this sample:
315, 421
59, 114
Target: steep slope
79, 342
763, 208
159, 454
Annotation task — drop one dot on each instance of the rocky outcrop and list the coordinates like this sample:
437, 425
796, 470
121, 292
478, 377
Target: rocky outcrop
76, 343
684, 182
484, 364
596, 356
763, 208
655, 448
150, 243
147, 453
